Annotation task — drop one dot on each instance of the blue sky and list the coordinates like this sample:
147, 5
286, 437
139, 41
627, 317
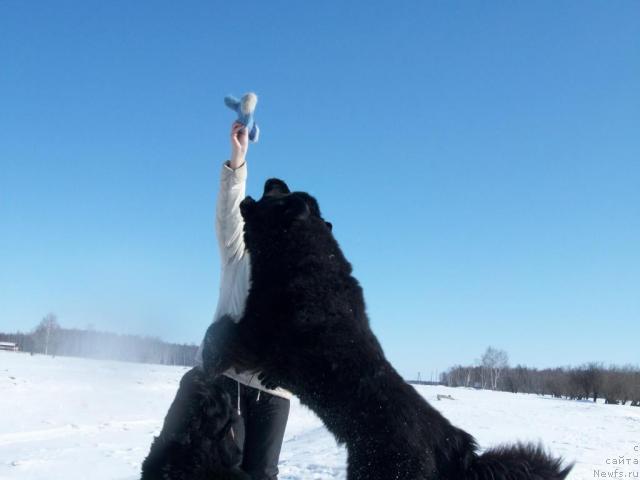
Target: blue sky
480, 162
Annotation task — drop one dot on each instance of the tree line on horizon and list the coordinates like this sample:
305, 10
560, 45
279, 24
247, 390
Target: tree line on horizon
49, 338
616, 385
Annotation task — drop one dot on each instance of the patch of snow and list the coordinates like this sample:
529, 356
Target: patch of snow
73, 418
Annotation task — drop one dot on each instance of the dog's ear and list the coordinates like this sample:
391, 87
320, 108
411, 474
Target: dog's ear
275, 187
247, 207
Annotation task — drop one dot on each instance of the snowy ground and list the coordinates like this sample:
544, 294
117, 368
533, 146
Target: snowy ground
68, 418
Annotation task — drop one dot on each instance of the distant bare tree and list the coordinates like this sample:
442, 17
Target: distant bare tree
555, 382
588, 380
635, 388
517, 379
493, 362
618, 385
468, 371
46, 334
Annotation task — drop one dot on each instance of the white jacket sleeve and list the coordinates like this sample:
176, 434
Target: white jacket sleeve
229, 222
234, 260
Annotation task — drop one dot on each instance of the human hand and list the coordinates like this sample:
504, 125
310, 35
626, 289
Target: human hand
239, 145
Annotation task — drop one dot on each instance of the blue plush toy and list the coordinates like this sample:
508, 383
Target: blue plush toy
245, 108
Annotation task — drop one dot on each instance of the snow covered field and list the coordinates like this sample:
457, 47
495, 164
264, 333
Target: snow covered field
70, 418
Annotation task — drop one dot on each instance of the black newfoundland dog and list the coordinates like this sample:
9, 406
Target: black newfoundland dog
306, 328
196, 441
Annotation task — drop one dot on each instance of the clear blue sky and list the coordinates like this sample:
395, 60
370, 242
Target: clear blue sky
480, 162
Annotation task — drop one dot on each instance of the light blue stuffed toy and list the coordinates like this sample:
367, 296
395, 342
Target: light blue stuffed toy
245, 108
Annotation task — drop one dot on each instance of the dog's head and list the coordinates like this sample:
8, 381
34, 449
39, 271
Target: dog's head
279, 212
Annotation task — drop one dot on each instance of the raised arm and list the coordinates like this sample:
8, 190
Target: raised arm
229, 222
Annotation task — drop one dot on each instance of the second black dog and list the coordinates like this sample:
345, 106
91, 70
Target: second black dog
196, 441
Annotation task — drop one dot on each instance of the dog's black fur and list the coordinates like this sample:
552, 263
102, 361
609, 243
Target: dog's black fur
196, 441
306, 328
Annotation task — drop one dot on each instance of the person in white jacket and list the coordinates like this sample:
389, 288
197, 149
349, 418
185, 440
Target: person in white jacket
264, 412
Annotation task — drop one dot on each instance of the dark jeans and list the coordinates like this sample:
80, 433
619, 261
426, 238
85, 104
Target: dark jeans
261, 431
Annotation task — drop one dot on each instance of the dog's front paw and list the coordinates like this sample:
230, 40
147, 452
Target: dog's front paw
268, 381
